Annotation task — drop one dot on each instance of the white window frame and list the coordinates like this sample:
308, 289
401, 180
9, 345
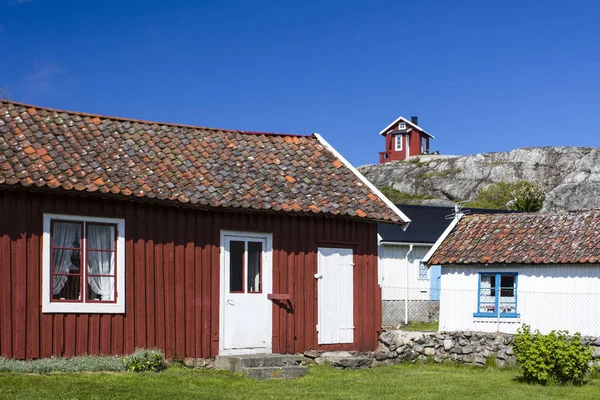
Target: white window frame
118, 307
398, 139
402, 125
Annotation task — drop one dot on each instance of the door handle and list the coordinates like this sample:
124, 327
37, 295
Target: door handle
318, 275
230, 302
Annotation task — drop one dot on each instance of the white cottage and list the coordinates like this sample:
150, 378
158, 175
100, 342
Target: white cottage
500, 271
402, 274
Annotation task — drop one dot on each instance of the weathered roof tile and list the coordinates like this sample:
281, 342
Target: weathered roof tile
566, 237
189, 165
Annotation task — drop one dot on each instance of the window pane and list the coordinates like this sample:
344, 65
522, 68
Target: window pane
487, 299
254, 267
66, 274
507, 300
101, 237
101, 288
422, 270
236, 266
66, 234
486, 285
68, 286
507, 286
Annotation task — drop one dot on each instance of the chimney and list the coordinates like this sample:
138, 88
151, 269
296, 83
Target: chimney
414, 120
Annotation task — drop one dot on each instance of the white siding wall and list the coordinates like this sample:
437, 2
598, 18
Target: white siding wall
392, 272
549, 298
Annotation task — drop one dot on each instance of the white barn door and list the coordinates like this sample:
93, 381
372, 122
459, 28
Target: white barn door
335, 290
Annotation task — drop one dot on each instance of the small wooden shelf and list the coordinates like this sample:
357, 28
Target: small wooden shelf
275, 296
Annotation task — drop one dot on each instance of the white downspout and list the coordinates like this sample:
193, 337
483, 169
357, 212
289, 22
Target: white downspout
406, 300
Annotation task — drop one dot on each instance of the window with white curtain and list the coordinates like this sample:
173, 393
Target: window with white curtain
84, 264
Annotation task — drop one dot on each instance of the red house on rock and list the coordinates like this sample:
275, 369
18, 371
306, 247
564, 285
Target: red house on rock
404, 138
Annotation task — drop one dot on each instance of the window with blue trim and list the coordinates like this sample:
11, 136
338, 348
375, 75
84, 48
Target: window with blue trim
497, 293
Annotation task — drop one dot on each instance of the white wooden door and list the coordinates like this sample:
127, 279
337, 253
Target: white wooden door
246, 313
335, 291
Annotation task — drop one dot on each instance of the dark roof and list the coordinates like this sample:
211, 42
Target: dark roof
428, 223
196, 166
567, 237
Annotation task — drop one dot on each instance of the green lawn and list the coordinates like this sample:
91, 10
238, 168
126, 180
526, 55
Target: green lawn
421, 326
404, 381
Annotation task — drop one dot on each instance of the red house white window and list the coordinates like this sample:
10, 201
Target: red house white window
398, 142
83, 264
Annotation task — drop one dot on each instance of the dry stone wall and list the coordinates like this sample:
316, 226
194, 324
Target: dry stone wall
473, 348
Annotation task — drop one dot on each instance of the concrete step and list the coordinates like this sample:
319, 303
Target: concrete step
263, 366
237, 362
289, 372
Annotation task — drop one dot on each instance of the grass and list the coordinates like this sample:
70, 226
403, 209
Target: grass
421, 326
398, 197
408, 381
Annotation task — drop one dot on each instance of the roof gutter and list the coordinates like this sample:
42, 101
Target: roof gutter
405, 244
364, 180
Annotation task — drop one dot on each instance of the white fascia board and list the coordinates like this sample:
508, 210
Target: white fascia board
401, 118
364, 180
442, 238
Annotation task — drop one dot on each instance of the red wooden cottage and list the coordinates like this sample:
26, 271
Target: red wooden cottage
118, 234
403, 139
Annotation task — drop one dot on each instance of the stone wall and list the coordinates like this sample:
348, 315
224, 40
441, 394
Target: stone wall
473, 348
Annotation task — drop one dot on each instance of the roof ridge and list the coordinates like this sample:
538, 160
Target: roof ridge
125, 119
540, 213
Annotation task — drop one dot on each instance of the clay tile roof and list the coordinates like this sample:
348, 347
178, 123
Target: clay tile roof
195, 166
566, 237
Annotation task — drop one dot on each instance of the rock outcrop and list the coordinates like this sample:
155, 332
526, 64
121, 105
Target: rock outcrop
570, 176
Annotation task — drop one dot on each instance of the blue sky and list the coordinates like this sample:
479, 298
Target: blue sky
481, 75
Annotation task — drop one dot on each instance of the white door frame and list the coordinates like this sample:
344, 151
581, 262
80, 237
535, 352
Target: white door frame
267, 287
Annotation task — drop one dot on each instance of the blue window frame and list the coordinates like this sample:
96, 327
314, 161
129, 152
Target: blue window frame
497, 292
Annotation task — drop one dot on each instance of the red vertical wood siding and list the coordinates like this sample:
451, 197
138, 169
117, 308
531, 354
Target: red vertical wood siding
172, 272
415, 146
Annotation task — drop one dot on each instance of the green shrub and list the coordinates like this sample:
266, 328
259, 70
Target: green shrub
60, 364
554, 357
144, 360
398, 197
526, 197
519, 196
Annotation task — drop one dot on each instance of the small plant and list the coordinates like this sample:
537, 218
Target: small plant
555, 357
144, 360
